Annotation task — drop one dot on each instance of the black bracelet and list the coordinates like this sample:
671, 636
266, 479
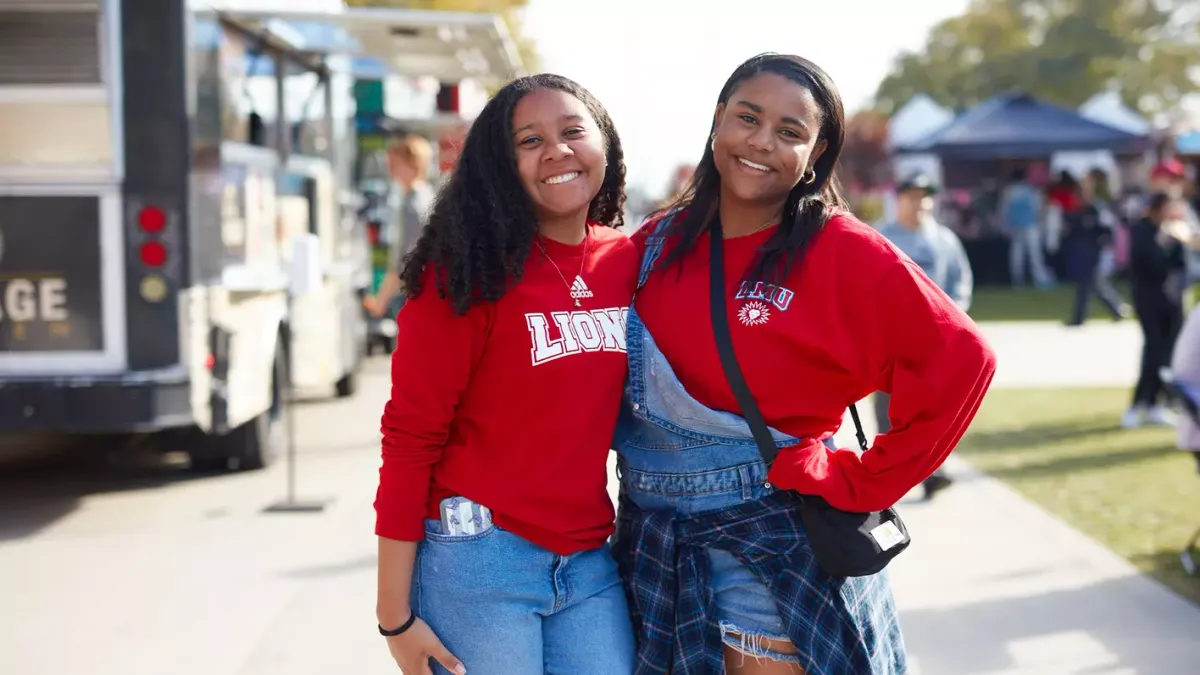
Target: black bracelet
407, 624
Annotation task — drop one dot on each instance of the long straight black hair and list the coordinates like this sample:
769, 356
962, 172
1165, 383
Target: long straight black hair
808, 205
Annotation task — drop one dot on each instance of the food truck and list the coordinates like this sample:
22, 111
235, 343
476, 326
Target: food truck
158, 158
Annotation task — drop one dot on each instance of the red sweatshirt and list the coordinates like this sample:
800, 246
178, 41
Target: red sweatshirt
513, 404
856, 316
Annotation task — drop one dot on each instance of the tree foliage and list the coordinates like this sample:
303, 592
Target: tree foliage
864, 153
1063, 51
509, 10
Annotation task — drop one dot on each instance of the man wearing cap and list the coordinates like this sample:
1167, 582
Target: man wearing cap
1170, 177
940, 254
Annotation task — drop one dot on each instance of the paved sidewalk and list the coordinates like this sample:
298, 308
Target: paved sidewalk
994, 585
1048, 354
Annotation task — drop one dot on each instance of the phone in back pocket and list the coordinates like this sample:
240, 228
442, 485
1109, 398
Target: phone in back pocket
462, 517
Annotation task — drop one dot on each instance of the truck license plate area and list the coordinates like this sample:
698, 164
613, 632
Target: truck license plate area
50, 282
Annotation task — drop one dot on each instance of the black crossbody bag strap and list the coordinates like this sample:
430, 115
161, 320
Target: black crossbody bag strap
733, 372
844, 544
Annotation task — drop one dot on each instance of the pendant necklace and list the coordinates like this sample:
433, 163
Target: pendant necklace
579, 287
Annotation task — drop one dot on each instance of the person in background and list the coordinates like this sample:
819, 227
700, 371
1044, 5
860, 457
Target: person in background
1170, 177
1116, 250
409, 160
1062, 198
940, 254
1185, 373
1157, 270
1021, 208
492, 510
1089, 230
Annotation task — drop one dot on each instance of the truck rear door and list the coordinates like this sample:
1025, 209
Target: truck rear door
61, 242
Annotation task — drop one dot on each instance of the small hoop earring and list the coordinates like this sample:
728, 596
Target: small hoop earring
809, 177
712, 142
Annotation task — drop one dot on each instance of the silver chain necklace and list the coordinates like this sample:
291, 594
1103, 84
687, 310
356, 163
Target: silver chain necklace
570, 290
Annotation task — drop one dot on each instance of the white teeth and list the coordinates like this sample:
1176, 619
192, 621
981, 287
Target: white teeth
563, 178
752, 165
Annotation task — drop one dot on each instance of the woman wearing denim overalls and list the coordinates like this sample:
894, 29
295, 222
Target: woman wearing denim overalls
822, 311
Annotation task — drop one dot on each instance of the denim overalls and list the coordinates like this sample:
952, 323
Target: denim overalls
677, 455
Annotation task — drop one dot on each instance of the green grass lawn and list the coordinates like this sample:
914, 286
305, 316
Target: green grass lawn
1064, 449
1000, 303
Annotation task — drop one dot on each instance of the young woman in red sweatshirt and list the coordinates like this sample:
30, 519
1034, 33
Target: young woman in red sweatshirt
492, 510
822, 310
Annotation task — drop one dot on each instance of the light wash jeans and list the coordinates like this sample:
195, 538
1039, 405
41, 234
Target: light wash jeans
505, 606
1026, 246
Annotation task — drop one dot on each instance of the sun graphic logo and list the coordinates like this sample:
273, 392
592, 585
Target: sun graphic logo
754, 313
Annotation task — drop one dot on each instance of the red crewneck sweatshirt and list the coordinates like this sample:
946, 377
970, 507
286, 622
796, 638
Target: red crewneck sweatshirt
856, 316
513, 404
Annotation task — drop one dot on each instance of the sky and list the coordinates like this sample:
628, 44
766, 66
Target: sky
658, 65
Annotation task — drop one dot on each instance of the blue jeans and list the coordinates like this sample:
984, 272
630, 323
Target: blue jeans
505, 606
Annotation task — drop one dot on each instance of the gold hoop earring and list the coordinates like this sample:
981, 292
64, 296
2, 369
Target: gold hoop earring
712, 143
809, 177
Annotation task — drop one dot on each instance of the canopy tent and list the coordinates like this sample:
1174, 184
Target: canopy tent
450, 46
1017, 126
1108, 109
1188, 144
916, 120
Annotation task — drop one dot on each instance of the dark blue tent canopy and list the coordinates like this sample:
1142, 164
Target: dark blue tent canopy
1018, 126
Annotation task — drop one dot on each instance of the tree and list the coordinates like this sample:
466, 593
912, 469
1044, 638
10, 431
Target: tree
1063, 51
509, 10
863, 162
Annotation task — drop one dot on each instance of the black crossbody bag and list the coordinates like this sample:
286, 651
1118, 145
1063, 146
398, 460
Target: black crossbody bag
845, 543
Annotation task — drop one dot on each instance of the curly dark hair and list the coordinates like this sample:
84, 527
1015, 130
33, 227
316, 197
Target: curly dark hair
482, 224
808, 205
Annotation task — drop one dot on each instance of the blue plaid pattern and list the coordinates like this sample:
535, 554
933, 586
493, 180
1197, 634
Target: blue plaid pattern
839, 626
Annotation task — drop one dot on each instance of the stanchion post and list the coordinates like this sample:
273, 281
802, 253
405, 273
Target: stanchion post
304, 275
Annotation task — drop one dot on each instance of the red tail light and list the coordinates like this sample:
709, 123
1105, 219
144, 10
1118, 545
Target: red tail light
152, 219
153, 254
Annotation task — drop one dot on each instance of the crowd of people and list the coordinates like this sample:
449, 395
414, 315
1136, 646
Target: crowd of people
1150, 235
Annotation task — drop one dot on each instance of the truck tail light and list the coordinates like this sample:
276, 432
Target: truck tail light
152, 220
153, 254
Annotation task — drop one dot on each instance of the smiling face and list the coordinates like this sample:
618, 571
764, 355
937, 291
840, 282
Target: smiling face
767, 138
559, 152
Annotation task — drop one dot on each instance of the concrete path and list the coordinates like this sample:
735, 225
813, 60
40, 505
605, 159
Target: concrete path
994, 585
1047, 354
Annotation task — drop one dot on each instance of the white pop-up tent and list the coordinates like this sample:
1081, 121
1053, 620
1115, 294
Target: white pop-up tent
917, 119
1104, 108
